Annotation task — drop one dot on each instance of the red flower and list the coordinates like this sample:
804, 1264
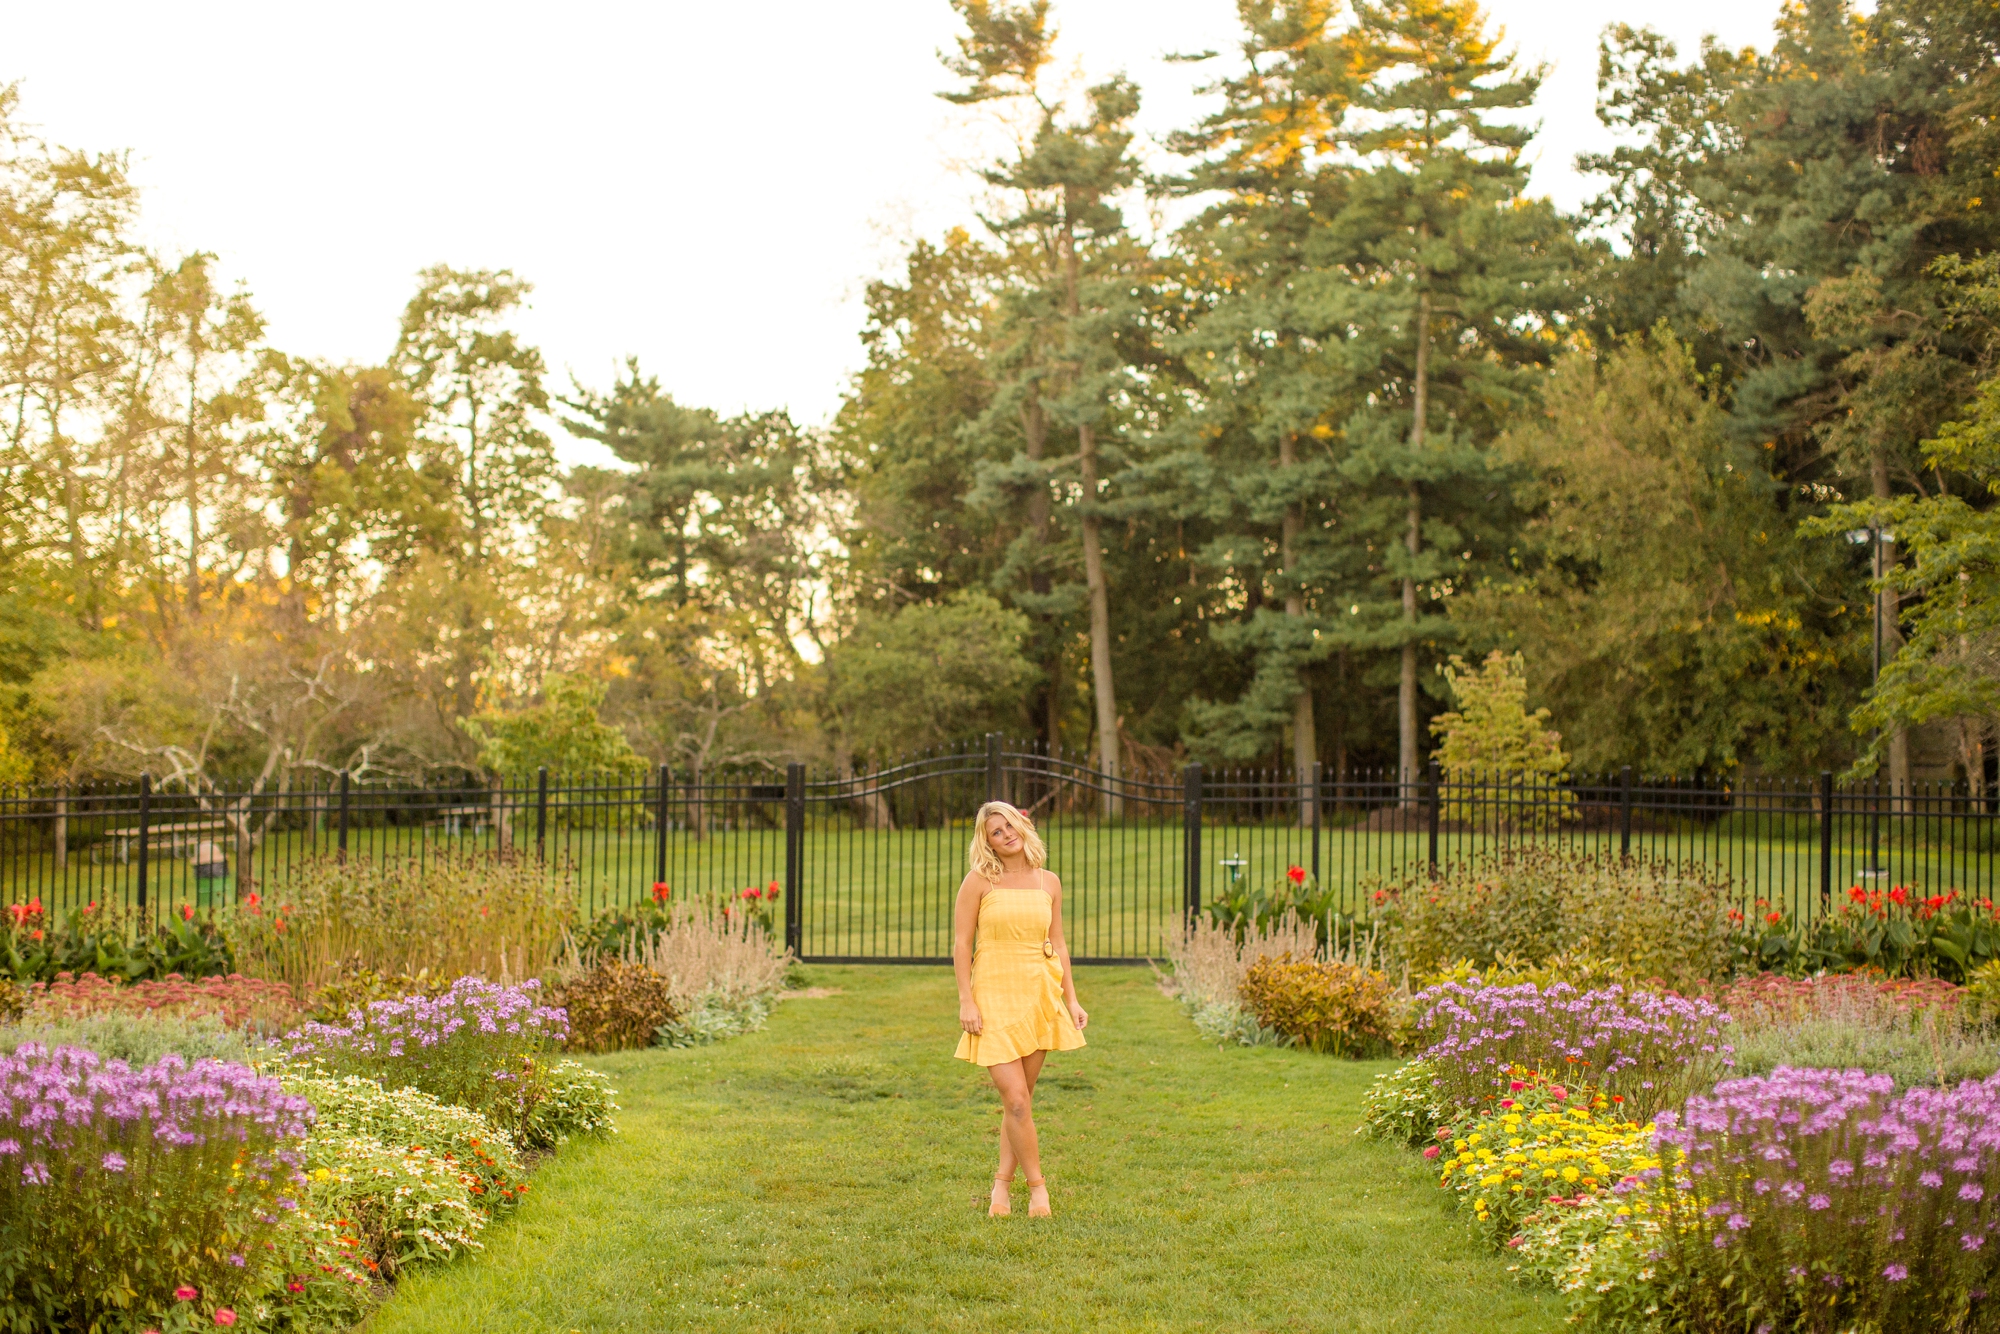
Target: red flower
752, 893
1735, 916
1858, 894
187, 912
36, 934
20, 911
1774, 917
1296, 874
1558, 1092
661, 891
295, 1286
1899, 896
1431, 1151
185, 1294
224, 1316
279, 924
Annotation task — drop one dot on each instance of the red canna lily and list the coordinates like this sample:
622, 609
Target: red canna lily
1296, 874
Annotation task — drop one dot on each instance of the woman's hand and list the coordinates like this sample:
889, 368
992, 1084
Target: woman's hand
1078, 1016
968, 1016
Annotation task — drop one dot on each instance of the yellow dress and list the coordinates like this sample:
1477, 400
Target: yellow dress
1017, 987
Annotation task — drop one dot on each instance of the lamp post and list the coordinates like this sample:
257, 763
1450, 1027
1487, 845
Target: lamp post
1873, 535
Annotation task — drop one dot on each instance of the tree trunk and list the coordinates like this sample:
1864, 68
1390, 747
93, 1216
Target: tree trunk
1035, 431
1093, 547
1100, 620
1406, 693
870, 808
1305, 741
1889, 608
62, 828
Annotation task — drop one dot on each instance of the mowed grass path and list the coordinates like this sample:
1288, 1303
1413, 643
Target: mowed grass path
830, 1173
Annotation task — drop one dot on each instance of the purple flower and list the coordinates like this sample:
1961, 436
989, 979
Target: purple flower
1737, 1222
114, 1162
34, 1174
1931, 1179
1895, 1273
1971, 1190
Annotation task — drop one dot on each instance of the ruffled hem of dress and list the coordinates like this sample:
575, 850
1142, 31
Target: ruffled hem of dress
1010, 1042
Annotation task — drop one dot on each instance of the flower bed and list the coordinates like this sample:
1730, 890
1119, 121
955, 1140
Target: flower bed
474, 1046
140, 1191
237, 1000
1818, 1198
1643, 1048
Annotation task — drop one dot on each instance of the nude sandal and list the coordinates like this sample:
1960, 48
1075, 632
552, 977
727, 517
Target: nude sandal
1003, 1206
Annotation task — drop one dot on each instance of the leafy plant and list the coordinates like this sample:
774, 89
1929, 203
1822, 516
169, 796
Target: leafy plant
110, 941
615, 1006
1245, 907
1336, 1008
579, 1102
355, 986
1404, 1106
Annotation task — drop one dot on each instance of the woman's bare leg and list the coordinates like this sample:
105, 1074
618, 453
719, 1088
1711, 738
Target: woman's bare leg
1031, 1069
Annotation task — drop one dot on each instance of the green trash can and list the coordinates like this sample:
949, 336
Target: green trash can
211, 875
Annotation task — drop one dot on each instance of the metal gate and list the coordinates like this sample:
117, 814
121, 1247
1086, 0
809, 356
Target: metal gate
876, 860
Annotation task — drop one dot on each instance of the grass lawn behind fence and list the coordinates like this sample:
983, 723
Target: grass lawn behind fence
830, 1174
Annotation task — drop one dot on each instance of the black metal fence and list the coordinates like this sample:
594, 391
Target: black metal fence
868, 866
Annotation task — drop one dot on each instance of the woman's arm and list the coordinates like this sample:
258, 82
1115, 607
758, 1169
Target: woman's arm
1077, 1013
965, 925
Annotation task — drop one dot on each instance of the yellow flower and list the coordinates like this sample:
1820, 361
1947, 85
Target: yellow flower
1570, 1174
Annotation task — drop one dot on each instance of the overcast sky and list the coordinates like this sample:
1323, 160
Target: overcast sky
705, 186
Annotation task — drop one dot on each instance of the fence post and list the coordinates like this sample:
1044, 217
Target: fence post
145, 819
340, 837
541, 812
1433, 780
1191, 825
660, 829
995, 781
1318, 778
1625, 812
795, 837
1826, 841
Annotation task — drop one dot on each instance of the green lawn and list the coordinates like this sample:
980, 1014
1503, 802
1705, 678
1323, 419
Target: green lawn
830, 1174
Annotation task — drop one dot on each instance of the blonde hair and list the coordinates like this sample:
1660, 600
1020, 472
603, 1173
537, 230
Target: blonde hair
985, 862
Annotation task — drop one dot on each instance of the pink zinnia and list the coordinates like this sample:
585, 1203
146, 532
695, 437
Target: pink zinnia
185, 1294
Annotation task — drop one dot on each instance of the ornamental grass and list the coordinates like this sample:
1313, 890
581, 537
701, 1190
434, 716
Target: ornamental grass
1822, 1200
1649, 1050
128, 1194
499, 915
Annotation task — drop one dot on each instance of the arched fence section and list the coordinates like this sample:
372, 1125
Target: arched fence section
866, 865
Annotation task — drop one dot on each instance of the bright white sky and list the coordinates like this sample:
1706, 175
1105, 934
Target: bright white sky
707, 186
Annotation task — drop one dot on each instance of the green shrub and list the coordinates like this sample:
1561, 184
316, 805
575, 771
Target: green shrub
1336, 1008
615, 1006
715, 1015
1652, 919
1404, 1106
579, 1102
136, 1039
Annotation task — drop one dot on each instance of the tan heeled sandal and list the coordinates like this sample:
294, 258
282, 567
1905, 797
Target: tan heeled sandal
1003, 1206
1043, 1211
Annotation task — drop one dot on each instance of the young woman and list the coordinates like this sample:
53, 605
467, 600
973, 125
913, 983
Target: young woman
1016, 993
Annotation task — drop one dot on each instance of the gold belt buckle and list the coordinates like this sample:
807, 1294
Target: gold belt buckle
1048, 949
